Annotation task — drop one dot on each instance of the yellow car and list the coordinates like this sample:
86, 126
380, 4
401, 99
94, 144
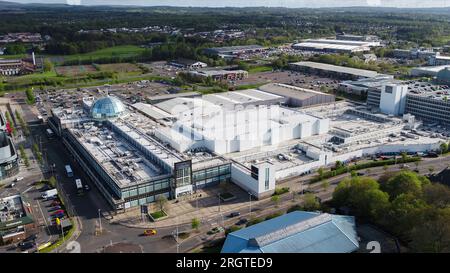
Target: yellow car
149, 232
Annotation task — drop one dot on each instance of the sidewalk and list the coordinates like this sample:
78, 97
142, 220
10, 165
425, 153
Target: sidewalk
208, 207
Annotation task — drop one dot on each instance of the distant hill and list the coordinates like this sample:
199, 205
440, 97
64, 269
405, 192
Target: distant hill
30, 7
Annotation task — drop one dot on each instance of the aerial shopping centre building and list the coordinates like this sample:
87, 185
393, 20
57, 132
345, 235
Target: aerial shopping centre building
253, 138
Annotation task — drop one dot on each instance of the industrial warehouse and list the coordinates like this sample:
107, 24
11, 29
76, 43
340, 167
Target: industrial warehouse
253, 138
336, 46
334, 71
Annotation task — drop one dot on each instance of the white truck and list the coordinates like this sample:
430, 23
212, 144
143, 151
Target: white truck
49, 194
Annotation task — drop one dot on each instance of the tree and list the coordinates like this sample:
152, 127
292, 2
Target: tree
444, 148
338, 165
30, 96
404, 157
195, 224
243, 66
362, 195
2, 85
403, 214
52, 181
310, 202
432, 233
437, 195
320, 173
325, 185
161, 201
275, 199
48, 65
417, 163
404, 182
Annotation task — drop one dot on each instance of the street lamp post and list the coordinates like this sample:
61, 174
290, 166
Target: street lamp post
250, 199
219, 200
100, 220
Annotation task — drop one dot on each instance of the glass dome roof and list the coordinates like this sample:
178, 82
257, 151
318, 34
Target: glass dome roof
107, 107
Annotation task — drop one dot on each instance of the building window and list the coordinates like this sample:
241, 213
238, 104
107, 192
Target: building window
266, 184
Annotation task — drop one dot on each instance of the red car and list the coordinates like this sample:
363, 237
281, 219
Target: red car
58, 212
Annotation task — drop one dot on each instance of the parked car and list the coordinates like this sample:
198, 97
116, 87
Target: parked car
86, 187
60, 215
216, 230
55, 208
55, 203
150, 232
241, 221
58, 212
234, 214
25, 245
19, 178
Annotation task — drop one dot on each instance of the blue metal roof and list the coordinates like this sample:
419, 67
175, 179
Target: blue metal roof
296, 232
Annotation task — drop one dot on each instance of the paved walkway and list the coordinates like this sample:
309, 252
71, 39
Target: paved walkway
205, 208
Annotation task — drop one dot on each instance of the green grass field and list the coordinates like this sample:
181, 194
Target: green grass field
26, 79
117, 51
259, 69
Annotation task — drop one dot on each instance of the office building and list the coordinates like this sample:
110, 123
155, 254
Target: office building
393, 99
9, 160
439, 60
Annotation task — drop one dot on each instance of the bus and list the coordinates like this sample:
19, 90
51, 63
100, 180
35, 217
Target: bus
69, 171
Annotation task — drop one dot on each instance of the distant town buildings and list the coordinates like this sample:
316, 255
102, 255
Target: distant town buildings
22, 37
220, 75
360, 38
233, 52
416, 53
14, 67
439, 60
187, 64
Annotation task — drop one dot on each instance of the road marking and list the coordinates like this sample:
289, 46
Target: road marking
28, 189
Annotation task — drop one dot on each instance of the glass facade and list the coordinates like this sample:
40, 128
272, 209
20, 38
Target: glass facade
107, 107
211, 176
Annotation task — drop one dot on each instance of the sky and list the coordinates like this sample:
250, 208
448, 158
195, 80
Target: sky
249, 3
